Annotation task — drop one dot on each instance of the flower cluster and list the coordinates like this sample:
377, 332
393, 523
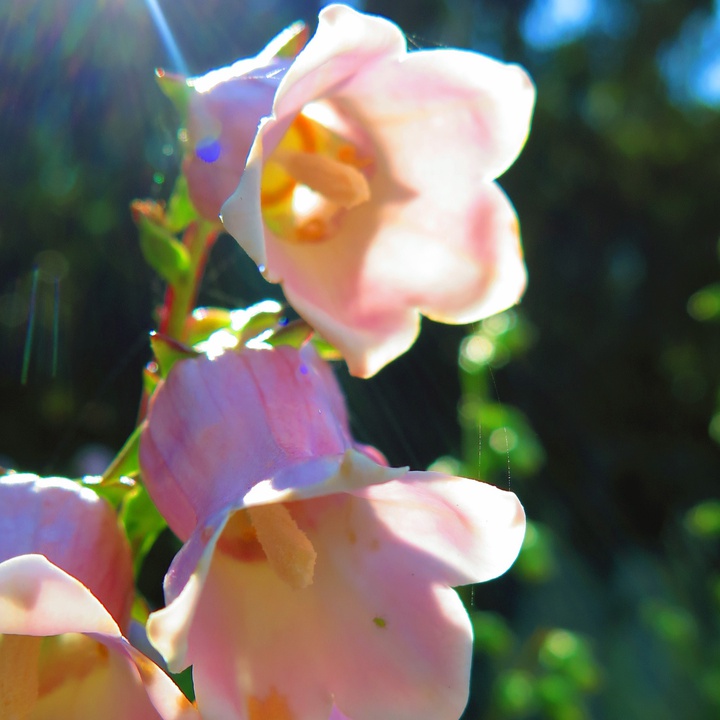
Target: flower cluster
314, 581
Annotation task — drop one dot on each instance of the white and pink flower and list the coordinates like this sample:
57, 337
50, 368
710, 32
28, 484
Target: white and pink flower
313, 576
65, 593
368, 190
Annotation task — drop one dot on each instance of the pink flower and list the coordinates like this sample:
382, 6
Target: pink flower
311, 574
369, 190
65, 591
224, 112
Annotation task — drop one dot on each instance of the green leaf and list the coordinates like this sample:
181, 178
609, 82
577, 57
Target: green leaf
491, 634
515, 693
142, 522
126, 462
704, 519
163, 252
507, 436
180, 209
176, 89
536, 562
705, 303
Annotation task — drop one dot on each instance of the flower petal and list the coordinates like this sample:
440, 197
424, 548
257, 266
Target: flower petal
472, 529
38, 598
72, 527
344, 42
292, 411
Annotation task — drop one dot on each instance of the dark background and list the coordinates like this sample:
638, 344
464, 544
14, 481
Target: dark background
618, 192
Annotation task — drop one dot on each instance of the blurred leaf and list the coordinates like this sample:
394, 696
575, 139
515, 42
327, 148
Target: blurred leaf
163, 252
704, 519
142, 522
176, 89
672, 623
705, 303
508, 435
560, 698
567, 653
180, 210
536, 562
515, 693
140, 610
492, 635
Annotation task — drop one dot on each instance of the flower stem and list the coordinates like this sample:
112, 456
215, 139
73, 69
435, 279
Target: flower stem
180, 298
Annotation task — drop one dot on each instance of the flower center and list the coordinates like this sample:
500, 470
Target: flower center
19, 656
270, 532
32, 668
310, 179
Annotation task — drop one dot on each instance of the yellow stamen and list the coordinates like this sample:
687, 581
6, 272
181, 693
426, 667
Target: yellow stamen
19, 655
287, 548
340, 183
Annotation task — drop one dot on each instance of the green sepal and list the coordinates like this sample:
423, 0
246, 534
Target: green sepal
180, 209
114, 491
324, 349
259, 321
205, 321
163, 252
176, 89
296, 334
168, 351
142, 522
127, 462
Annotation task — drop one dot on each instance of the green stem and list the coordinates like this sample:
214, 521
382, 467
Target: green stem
180, 299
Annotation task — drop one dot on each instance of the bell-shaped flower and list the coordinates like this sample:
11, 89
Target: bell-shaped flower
65, 591
224, 108
369, 189
313, 578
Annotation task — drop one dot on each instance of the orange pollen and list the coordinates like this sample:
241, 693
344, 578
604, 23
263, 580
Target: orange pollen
312, 231
273, 707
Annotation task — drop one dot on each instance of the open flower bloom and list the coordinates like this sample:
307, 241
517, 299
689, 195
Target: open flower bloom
369, 191
312, 574
65, 590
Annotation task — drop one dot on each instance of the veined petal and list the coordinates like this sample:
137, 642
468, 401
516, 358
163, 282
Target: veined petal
72, 527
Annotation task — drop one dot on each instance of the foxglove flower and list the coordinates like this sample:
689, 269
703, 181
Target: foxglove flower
65, 591
313, 578
369, 188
